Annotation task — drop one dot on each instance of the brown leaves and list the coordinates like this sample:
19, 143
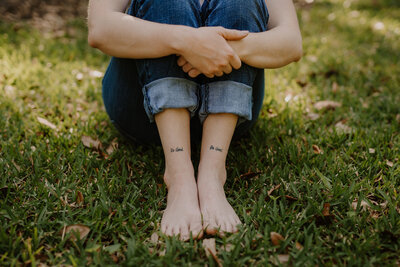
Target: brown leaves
327, 105
326, 218
210, 249
76, 231
273, 189
326, 210
276, 238
96, 144
46, 123
342, 128
90, 142
112, 147
317, 150
79, 198
154, 238
366, 206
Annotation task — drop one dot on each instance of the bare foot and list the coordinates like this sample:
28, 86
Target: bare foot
218, 214
182, 215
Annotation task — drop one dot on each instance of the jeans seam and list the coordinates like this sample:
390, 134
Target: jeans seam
148, 104
206, 95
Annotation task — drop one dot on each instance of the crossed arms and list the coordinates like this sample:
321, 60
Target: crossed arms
211, 51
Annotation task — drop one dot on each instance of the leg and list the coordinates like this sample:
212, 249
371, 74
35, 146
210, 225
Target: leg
123, 99
170, 98
227, 102
182, 215
217, 213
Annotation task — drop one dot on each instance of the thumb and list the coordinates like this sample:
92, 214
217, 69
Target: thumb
233, 35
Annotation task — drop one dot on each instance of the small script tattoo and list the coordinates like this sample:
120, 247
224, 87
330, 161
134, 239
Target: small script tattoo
215, 148
177, 149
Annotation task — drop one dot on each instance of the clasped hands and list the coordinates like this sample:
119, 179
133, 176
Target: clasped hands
208, 52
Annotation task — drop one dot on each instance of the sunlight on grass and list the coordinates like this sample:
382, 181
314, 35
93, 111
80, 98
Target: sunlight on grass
325, 177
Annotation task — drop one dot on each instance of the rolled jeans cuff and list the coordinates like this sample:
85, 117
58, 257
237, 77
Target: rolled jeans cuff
226, 97
169, 93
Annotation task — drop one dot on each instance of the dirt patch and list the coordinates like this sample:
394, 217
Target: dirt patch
46, 15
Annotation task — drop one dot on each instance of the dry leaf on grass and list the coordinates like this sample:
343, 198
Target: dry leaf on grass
299, 246
317, 150
280, 259
363, 204
90, 142
327, 105
326, 210
79, 197
389, 163
154, 238
371, 151
209, 247
276, 238
46, 123
343, 128
76, 230
273, 189
313, 116
112, 147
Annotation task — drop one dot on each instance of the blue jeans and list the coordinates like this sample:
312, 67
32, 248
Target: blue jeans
135, 90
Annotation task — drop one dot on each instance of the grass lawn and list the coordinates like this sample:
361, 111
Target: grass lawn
324, 175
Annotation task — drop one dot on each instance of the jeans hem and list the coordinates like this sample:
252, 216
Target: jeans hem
169, 92
227, 97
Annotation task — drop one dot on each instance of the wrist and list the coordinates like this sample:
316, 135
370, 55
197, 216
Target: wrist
241, 48
177, 39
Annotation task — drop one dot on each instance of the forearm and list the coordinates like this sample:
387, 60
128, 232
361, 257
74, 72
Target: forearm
121, 35
271, 49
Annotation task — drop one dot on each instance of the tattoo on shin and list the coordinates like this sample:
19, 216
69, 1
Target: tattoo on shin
215, 148
177, 149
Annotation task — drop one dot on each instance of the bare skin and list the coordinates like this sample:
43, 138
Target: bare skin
218, 215
182, 216
212, 51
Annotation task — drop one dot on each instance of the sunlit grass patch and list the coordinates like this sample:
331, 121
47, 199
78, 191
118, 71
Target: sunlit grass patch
325, 175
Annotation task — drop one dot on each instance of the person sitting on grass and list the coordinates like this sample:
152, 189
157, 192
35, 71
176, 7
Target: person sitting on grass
187, 71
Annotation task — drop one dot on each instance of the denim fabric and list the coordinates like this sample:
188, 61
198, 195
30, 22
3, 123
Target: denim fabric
160, 83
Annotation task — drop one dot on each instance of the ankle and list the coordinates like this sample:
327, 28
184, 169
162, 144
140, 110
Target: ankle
178, 178
213, 172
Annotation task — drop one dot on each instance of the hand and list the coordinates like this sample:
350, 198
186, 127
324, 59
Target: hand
208, 52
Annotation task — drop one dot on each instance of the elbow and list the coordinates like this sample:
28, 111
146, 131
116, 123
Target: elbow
94, 35
297, 50
93, 39
297, 54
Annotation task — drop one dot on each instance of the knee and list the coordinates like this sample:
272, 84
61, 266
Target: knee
169, 12
249, 15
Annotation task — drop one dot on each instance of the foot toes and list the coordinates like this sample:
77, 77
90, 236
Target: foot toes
163, 228
184, 233
196, 230
211, 227
168, 231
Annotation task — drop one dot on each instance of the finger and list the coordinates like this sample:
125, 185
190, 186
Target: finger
228, 69
235, 61
219, 74
187, 67
194, 73
233, 35
181, 61
209, 75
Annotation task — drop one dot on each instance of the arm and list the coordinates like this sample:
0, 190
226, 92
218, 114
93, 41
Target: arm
277, 47
121, 35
